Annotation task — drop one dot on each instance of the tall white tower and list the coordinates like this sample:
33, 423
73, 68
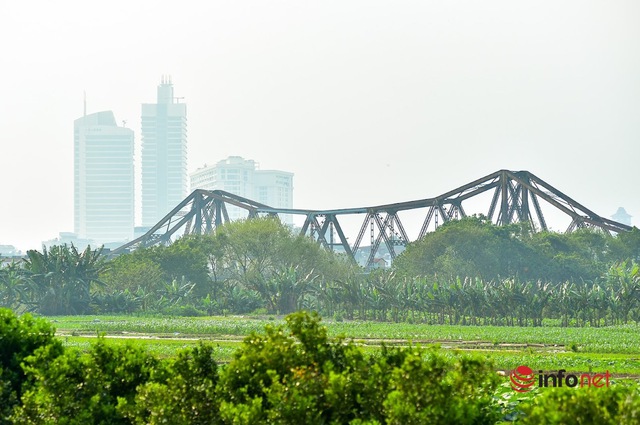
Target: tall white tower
164, 154
103, 179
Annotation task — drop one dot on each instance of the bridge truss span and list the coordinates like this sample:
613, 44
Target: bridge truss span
516, 197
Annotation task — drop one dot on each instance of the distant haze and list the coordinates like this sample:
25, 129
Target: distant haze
367, 102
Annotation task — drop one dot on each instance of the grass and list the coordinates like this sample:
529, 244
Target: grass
161, 347
615, 348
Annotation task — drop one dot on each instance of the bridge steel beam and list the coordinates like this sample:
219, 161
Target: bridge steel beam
516, 197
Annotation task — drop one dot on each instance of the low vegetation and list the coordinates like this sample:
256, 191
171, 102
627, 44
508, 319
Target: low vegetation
289, 372
545, 300
467, 272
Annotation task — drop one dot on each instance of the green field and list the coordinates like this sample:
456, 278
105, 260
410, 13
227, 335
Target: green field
616, 348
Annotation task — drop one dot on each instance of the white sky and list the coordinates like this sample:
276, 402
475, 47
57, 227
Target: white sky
367, 102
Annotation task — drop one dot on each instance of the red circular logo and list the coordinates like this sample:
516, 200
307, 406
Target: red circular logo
522, 379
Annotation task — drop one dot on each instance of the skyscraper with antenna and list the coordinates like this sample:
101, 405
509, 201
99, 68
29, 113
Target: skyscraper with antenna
164, 154
103, 178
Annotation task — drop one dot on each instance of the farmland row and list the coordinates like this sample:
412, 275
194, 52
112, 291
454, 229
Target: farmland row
544, 348
611, 339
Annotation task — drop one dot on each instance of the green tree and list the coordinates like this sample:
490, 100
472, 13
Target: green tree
298, 375
470, 247
264, 256
475, 247
14, 283
131, 271
20, 337
186, 259
618, 405
579, 256
626, 246
181, 393
623, 280
438, 391
63, 278
131, 283
278, 377
92, 388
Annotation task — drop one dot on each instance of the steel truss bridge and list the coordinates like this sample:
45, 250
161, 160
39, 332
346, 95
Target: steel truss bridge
517, 198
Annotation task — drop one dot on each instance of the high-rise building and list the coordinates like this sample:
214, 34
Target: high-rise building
103, 179
244, 178
164, 154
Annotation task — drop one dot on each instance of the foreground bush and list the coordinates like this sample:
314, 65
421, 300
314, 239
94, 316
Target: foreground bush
87, 388
288, 374
297, 375
181, 392
20, 338
617, 405
291, 374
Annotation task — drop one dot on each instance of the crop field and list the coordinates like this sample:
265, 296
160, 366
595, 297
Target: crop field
616, 349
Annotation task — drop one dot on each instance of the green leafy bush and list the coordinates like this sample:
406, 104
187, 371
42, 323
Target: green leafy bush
183, 391
297, 375
615, 405
292, 373
91, 388
20, 337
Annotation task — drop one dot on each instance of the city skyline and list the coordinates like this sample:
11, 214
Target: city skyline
243, 177
164, 154
104, 194
103, 179
367, 103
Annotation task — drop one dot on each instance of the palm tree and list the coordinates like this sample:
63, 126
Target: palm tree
171, 294
541, 294
564, 301
290, 287
62, 278
624, 282
13, 283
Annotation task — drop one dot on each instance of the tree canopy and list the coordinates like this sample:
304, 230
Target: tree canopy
466, 271
474, 247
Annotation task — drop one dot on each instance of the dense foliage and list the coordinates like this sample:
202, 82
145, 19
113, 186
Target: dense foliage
292, 374
614, 406
286, 374
55, 281
473, 247
20, 337
469, 271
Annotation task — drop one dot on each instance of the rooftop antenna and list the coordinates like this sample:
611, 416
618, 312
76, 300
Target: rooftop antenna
85, 103
124, 123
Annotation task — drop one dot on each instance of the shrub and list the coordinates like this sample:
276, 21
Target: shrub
616, 405
91, 388
183, 392
291, 374
297, 375
20, 337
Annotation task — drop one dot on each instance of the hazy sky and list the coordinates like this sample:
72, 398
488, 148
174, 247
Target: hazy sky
367, 102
